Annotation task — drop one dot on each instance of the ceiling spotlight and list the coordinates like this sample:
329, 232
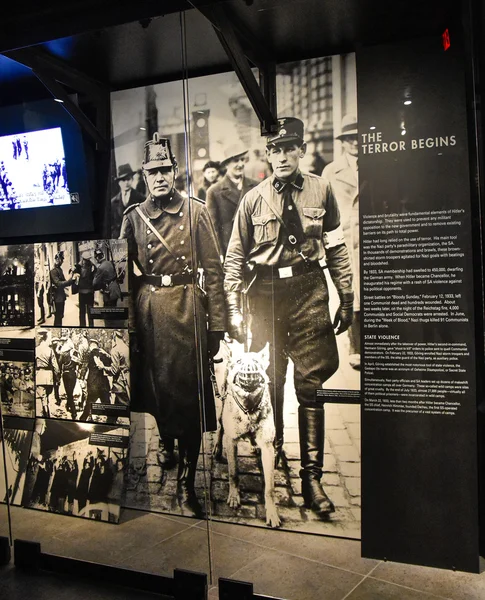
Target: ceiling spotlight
372, 127
59, 100
407, 102
143, 128
403, 132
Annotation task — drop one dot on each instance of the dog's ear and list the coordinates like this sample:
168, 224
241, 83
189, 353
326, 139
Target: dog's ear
263, 357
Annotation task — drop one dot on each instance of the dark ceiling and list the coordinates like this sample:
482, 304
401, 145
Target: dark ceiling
127, 43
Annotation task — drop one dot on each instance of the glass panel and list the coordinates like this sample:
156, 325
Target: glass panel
88, 455
293, 398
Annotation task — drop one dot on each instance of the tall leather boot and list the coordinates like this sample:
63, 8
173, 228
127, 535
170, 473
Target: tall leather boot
312, 438
279, 437
189, 448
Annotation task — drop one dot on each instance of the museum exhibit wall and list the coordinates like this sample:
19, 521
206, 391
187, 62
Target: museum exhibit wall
222, 124
91, 427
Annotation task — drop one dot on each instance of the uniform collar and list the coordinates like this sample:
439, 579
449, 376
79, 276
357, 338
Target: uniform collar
279, 185
172, 207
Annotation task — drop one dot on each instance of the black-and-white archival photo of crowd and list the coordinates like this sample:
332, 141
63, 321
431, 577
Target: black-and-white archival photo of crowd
76, 469
81, 284
16, 442
83, 375
17, 388
17, 290
284, 213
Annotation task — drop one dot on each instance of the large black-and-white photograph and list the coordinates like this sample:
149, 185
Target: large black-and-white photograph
17, 437
17, 388
83, 375
81, 284
284, 212
76, 469
17, 290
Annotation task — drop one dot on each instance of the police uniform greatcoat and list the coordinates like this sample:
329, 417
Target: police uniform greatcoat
118, 208
222, 201
165, 321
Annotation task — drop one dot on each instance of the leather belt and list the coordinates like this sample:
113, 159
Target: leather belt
167, 280
265, 272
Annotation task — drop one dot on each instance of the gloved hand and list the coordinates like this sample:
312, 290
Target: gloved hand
214, 339
345, 313
235, 317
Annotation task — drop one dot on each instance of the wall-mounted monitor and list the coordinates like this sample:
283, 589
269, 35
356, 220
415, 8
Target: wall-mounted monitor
45, 186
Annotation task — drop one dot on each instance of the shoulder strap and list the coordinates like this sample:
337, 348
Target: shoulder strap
297, 245
163, 241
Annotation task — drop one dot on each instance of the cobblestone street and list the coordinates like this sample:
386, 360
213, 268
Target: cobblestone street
150, 488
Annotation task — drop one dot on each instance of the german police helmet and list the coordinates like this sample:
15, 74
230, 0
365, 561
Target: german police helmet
158, 153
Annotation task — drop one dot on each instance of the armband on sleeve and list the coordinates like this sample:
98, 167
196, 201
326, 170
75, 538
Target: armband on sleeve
333, 238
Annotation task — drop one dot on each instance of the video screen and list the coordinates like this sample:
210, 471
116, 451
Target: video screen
33, 170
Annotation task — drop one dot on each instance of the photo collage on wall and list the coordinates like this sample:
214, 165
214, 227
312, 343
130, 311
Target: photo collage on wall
229, 168
65, 376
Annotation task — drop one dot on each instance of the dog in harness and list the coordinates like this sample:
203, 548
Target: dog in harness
247, 414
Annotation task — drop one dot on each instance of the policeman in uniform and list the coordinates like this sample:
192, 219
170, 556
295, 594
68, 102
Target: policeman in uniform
286, 231
59, 283
169, 238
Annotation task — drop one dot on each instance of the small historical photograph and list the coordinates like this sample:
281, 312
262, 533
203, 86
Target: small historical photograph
17, 438
17, 389
76, 469
83, 375
17, 290
81, 284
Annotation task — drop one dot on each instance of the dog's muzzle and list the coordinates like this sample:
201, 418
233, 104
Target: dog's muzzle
249, 376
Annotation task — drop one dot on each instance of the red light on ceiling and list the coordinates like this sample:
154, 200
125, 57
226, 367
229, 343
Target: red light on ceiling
446, 39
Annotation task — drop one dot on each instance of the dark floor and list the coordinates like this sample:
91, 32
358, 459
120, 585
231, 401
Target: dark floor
20, 585
287, 565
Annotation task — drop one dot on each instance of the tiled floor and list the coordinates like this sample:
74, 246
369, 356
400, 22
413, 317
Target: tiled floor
286, 565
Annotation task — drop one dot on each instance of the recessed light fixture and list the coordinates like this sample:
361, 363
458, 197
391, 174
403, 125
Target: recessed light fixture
143, 128
59, 100
372, 127
403, 132
407, 102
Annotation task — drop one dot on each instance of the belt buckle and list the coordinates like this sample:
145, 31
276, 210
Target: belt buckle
166, 281
285, 272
